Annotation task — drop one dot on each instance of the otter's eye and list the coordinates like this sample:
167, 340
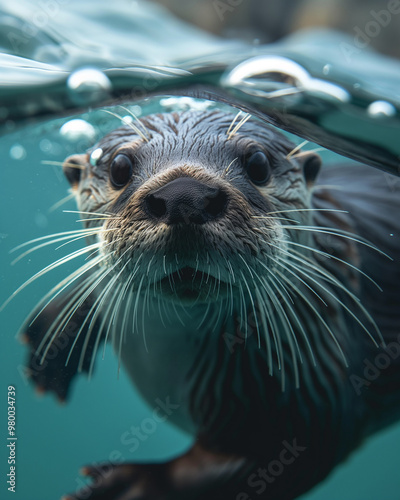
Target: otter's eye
258, 167
120, 171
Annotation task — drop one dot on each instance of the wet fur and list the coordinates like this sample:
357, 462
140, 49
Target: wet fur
251, 406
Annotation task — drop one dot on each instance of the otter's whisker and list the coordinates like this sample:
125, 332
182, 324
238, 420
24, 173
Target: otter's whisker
70, 234
280, 263
295, 316
88, 213
243, 313
208, 273
221, 302
337, 232
62, 163
63, 317
100, 276
263, 217
160, 312
305, 153
219, 283
125, 317
305, 210
95, 285
265, 330
205, 315
321, 272
52, 242
167, 311
280, 287
130, 125
97, 308
293, 313
143, 317
47, 269
105, 317
177, 314
60, 286
225, 172
338, 300
287, 327
307, 302
61, 202
116, 300
111, 328
149, 265
66, 283
91, 219
295, 149
318, 187
323, 322
247, 266
164, 266
333, 257
231, 278
139, 122
135, 309
239, 125
276, 337
101, 231
253, 307
61, 320
233, 122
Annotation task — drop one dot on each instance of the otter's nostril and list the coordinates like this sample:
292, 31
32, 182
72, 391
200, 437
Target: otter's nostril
156, 206
215, 203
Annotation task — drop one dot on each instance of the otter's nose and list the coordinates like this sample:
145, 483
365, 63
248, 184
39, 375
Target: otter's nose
186, 200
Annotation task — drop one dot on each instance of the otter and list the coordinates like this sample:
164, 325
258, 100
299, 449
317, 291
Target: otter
240, 281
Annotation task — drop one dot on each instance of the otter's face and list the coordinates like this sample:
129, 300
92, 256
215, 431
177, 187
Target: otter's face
190, 205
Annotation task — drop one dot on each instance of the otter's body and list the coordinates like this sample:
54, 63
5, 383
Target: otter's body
240, 289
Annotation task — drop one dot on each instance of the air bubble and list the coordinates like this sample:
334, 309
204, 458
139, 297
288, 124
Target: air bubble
127, 119
75, 130
381, 109
326, 69
17, 152
87, 86
41, 220
95, 156
49, 147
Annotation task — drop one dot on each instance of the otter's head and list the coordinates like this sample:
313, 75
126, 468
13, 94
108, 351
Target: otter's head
193, 206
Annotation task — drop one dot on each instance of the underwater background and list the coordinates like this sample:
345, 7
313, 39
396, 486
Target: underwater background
54, 440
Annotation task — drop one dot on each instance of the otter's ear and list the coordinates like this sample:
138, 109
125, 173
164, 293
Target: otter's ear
310, 163
73, 167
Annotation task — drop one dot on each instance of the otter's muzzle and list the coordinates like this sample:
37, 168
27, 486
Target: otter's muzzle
186, 201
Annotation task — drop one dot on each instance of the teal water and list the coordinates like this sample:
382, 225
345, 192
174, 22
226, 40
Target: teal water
54, 440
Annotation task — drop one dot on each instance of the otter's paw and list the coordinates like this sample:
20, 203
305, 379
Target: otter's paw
55, 349
48, 373
124, 482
